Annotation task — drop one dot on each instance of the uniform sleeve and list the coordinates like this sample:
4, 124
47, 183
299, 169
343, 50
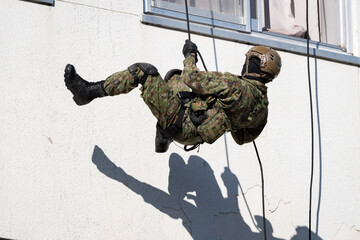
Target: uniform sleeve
204, 82
246, 135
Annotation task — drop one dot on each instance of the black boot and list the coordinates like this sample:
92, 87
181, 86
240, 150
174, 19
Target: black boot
161, 142
83, 91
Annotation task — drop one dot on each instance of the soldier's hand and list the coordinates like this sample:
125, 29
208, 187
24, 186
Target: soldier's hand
190, 49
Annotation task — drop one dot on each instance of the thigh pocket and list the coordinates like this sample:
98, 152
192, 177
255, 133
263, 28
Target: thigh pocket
214, 126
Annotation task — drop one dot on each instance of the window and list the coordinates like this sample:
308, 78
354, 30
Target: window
277, 23
329, 20
229, 14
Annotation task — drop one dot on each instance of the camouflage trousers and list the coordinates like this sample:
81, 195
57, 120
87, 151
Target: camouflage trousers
160, 97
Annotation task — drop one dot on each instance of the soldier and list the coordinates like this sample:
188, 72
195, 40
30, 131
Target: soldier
193, 106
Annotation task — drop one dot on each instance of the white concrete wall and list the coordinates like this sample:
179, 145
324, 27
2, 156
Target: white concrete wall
51, 149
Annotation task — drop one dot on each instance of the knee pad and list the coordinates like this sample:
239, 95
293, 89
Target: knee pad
147, 68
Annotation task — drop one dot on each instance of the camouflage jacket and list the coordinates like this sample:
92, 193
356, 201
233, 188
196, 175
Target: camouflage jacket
230, 102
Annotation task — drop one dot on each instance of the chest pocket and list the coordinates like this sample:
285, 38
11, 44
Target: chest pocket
259, 111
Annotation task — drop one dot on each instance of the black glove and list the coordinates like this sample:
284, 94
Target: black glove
190, 49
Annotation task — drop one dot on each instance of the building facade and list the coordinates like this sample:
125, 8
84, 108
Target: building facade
90, 172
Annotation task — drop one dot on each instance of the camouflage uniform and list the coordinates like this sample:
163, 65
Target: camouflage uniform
227, 102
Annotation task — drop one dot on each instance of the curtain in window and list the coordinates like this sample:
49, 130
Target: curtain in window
327, 22
289, 17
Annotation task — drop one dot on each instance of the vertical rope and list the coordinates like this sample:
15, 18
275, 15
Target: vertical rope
262, 189
188, 31
187, 19
311, 110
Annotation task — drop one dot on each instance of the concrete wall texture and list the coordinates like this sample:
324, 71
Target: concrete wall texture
90, 172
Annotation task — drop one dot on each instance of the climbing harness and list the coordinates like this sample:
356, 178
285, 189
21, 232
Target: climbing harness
185, 97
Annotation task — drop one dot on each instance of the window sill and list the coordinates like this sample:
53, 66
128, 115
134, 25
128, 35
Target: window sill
45, 2
277, 41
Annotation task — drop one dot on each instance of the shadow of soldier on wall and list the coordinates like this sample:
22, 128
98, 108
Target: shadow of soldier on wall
212, 217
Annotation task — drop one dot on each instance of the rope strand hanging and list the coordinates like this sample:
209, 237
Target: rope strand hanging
262, 190
188, 31
311, 113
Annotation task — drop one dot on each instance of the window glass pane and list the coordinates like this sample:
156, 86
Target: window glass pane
331, 22
227, 10
231, 7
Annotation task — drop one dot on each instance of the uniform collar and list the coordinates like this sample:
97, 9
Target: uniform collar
259, 85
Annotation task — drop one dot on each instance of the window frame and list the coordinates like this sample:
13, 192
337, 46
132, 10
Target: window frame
46, 2
253, 34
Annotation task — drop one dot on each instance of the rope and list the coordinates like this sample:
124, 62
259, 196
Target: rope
262, 189
188, 31
187, 19
311, 112
202, 60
